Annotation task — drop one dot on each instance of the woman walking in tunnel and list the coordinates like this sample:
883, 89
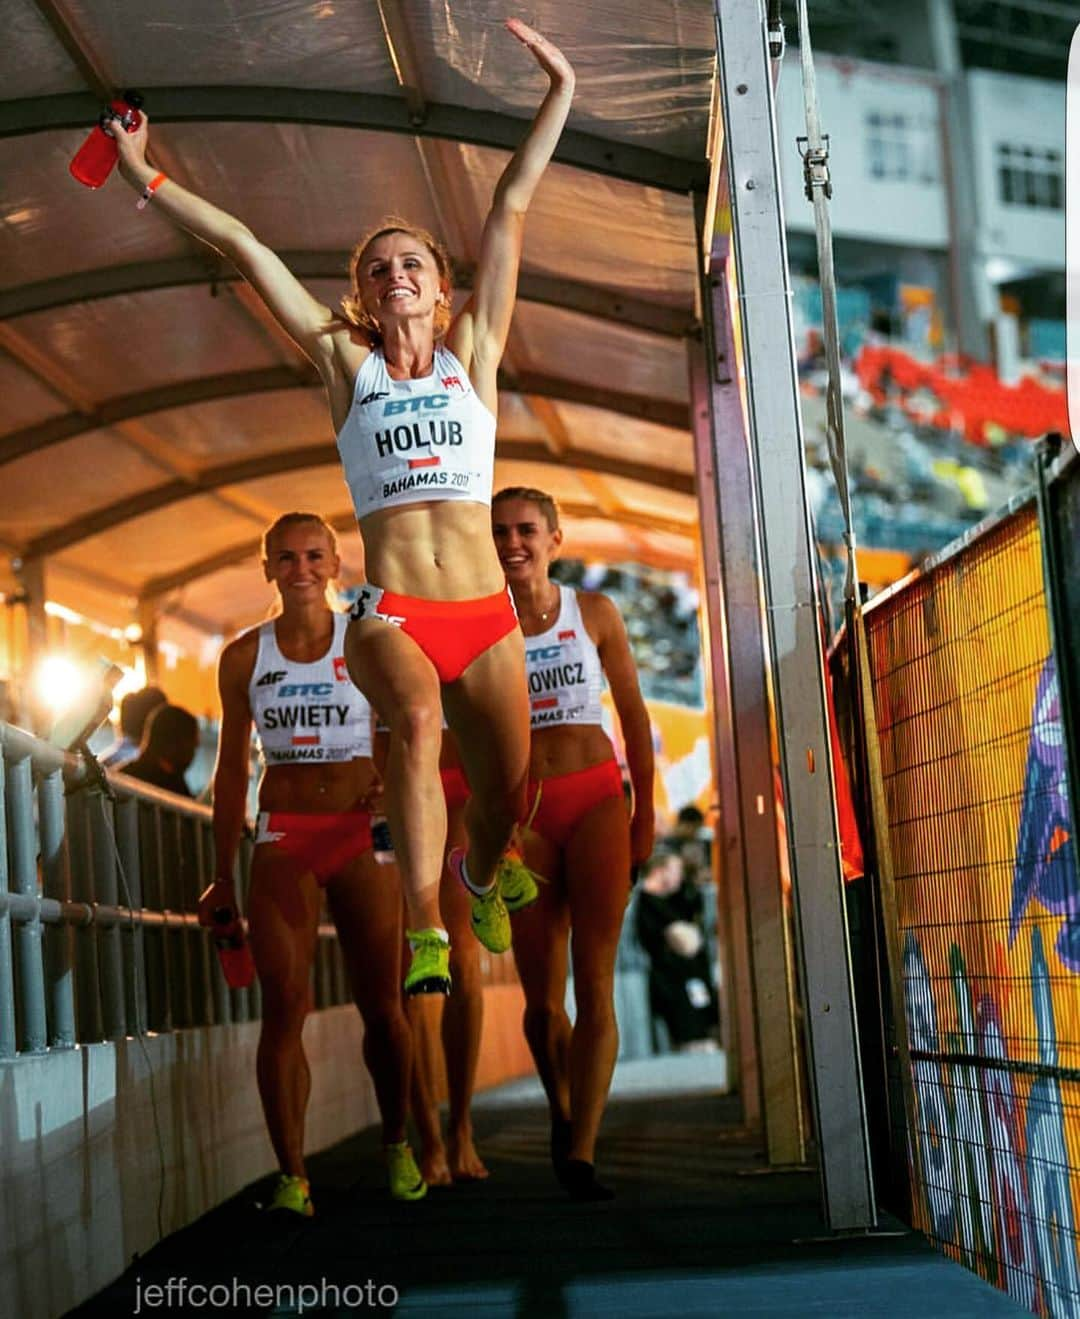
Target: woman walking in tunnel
579, 836
288, 678
413, 399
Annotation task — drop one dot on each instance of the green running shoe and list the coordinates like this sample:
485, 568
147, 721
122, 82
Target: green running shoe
517, 883
429, 970
490, 920
406, 1182
293, 1194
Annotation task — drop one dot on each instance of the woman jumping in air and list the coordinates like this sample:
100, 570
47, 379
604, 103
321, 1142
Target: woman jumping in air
413, 399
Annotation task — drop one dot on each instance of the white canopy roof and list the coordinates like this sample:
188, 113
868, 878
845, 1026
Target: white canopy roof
154, 420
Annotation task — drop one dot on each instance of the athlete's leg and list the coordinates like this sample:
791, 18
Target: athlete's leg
401, 683
463, 1015
425, 1013
540, 951
283, 917
365, 903
596, 863
487, 709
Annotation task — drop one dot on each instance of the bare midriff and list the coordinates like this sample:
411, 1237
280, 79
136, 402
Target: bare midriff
316, 789
567, 749
436, 550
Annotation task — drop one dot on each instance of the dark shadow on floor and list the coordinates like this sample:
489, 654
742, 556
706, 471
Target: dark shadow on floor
695, 1231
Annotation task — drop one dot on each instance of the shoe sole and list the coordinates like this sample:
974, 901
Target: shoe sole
407, 1197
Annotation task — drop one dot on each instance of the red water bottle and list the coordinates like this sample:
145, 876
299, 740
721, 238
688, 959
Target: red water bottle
233, 949
93, 162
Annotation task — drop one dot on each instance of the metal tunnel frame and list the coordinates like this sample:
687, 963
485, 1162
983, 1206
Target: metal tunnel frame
771, 538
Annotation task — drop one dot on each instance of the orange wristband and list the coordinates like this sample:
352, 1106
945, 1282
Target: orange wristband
149, 190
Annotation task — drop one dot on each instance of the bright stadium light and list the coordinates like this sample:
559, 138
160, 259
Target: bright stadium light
59, 682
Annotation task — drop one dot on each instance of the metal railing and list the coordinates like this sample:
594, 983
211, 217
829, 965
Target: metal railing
98, 934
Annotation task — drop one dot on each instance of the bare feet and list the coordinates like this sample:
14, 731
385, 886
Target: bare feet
465, 1164
434, 1166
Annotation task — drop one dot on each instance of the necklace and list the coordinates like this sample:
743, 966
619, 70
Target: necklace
544, 615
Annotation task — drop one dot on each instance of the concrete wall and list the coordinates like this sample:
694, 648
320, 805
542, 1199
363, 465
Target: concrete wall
79, 1158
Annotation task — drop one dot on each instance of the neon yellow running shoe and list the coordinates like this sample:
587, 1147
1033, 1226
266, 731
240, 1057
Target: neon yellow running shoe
489, 919
292, 1193
429, 970
406, 1182
517, 883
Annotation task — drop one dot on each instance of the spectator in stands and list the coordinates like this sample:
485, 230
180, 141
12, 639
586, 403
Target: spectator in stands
670, 930
135, 709
170, 740
693, 842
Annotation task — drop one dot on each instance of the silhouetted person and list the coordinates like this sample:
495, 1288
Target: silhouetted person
135, 709
691, 840
168, 748
670, 930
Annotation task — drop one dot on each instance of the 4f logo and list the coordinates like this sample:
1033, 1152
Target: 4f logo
268, 679
370, 398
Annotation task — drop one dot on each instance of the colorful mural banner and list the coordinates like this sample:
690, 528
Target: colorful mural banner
988, 895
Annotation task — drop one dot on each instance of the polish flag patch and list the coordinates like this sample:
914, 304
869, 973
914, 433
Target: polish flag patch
568, 636
308, 740
433, 461
341, 671
545, 703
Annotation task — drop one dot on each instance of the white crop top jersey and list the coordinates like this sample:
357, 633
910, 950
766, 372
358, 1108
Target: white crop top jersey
307, 713
406, 441
563, 669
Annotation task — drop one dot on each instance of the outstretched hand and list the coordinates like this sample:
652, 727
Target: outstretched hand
548, 56
130, 144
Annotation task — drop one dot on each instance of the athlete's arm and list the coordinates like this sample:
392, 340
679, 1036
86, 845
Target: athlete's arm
479, 334
230, 771
309, 322
605, 624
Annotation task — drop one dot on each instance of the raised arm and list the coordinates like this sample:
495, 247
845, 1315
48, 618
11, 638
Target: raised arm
482, 328
230, 772
606, 625
302, 316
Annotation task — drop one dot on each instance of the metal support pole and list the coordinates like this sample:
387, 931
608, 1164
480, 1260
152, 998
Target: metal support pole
87, 988
754, 791
738, 970
158, 1001
106, 890
177, 938
126, 815
28, 950
8, 1038
791, 610
202, 949
56, 883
